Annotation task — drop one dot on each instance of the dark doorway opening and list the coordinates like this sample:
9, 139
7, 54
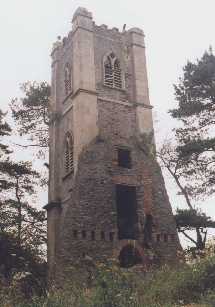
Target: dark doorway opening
127, 219
129, 256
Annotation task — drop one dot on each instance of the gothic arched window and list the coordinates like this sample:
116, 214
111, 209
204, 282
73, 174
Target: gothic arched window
112, 71
68, 154
67, 79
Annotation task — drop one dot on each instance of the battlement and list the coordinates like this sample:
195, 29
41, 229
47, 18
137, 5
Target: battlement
104, 28
81, 14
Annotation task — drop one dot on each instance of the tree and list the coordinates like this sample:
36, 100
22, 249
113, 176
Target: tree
187, 220
195, 109
22, 226
20, 218
191, 161
21, 262
5, 130
191, 218
31, 115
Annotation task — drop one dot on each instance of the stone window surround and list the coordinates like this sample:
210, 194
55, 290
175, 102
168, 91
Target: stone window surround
122, 81
67, 79
68, 160
124, 164
123, 147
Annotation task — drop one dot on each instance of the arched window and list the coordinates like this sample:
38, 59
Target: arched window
68, 154
67, 79
112, 71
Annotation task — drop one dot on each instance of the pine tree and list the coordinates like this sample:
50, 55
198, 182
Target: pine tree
31, 115
22, 219
5, 130
195, 109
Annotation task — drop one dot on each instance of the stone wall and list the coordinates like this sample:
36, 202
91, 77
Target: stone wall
102, 120
92, 206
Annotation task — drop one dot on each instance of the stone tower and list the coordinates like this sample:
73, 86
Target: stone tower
107, 196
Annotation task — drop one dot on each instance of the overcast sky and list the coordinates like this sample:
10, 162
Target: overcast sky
176, 30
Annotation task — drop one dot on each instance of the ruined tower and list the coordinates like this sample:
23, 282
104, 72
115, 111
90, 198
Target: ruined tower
107, 196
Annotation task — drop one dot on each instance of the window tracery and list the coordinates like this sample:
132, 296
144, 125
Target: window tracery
112, 71
68, 158
67, 79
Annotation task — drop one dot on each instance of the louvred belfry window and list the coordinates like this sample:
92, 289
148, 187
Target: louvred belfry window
68, 158
112, 71
67, 79
117, 74
108, 78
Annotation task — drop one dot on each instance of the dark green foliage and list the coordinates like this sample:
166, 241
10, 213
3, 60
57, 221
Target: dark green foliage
18, 184
191, 162
5, 130
195, 97
187, 284
19, 217
4, 127
20, 264
110, 286
31, 114
22, 226
22, 229
14, 259
190, 219
196, 91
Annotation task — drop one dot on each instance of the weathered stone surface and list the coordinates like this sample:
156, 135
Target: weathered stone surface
101, 120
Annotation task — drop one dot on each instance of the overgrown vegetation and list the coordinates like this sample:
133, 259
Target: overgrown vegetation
106, 285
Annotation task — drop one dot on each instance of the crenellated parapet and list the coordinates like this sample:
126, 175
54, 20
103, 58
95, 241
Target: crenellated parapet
82, 18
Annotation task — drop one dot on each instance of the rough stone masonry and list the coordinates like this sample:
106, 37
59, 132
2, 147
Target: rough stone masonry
107, 196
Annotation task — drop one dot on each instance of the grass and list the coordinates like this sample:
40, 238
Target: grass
106, 285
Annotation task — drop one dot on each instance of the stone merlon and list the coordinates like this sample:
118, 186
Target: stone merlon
136, 30
81, 11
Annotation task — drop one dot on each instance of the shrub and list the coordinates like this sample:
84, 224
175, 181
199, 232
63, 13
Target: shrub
106, 285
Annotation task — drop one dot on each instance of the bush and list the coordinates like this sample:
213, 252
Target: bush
106, 285
185, 285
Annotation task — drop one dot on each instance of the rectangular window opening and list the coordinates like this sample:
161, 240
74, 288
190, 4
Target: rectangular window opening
124, 158
127, 218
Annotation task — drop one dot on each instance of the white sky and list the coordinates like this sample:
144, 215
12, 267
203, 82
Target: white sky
176, 30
